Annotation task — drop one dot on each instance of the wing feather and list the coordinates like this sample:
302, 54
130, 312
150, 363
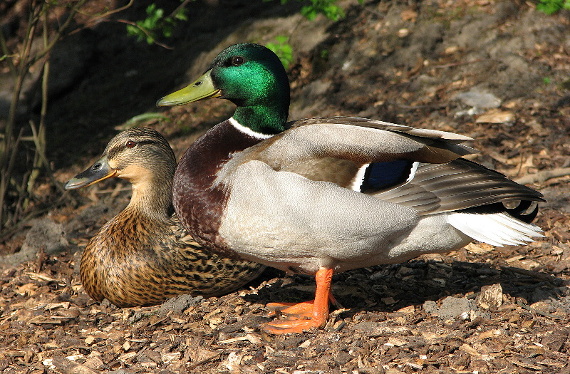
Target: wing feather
457, 185
360, 140
335, 149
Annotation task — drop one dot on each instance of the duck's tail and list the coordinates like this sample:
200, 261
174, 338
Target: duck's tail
497, 229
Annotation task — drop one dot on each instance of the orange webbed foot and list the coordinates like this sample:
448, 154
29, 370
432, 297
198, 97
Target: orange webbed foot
291, 326
306, 315
302, 310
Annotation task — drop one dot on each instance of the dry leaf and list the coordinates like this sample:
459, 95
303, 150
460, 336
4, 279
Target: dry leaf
496, 116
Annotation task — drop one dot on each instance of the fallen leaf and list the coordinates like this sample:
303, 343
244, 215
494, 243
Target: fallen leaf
496, 116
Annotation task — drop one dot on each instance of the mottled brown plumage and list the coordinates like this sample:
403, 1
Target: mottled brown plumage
143, 256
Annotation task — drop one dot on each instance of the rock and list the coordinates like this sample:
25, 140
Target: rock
451, 307
366, 327
490, 297
454, 307
45, 235
430, 307
69, 61
478, 98
178, 304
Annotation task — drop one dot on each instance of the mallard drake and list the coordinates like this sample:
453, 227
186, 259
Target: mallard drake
143, 256
325, 195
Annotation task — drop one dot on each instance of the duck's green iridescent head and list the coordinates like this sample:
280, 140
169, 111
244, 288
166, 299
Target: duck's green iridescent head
252, 77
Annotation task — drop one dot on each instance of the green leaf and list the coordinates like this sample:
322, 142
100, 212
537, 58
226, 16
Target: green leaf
181, 15
282, 49
552, 6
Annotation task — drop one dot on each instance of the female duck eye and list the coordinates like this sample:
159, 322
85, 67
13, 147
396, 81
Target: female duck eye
237, 60
130, 144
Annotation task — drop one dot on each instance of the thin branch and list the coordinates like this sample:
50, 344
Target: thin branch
7, 172
95, 19
179, 7
443, 66
539, 312
59, 32
145, 32
39, 142
10, 144
543, 176
7, 55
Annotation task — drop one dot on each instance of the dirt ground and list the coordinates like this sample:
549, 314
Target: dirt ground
498, 71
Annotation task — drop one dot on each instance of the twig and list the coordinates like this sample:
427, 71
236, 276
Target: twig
95, 19
39, 142
543, 176
372, 11
550, 279
134, 24
7, 168
533, 310
39, 11
50, 44
456, 64
9, 231
179, 7
7, 55
208, 359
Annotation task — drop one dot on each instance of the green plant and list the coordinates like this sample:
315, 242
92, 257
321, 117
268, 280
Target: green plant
282, 49
552, 6
156, 23
141, 118
328, 8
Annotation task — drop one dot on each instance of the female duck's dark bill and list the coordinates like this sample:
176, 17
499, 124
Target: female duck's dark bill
96, 173
201, 88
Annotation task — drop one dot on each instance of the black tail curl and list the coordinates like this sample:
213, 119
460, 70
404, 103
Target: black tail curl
525, 210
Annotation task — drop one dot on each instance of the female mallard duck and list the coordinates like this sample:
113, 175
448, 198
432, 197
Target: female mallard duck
326, 195
143, 256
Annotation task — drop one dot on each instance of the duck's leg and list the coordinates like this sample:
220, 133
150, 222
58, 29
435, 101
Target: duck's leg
306, 315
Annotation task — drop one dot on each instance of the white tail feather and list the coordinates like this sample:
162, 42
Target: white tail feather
497, 229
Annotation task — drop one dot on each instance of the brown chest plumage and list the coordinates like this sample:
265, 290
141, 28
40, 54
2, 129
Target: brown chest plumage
198, 204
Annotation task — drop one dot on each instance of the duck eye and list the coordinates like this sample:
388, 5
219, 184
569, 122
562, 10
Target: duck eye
130, 144
237, 60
